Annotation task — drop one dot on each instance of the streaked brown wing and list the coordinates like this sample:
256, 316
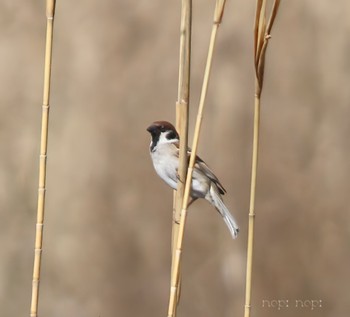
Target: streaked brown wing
200, 165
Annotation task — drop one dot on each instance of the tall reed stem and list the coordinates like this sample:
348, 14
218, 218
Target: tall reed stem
182, 112
251, 219
50, 12
261, 37
219, 9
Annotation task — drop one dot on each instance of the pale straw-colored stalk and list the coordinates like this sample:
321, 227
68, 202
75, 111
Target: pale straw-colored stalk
261, 37
182, 112
50, 12
219, 9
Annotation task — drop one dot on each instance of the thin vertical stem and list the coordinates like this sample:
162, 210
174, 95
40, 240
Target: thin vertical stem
261, 37
182, 112
178, 251
251, 219
50, 12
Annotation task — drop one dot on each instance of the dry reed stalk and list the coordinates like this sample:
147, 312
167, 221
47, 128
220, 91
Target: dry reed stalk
219, 9
261, 37
50, 12
182, 111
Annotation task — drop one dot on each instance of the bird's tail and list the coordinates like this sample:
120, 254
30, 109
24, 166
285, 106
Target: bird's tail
218, 203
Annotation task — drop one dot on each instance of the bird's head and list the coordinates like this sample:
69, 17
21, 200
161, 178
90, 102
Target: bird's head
162, 132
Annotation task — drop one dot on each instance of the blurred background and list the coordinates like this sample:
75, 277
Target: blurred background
108, 216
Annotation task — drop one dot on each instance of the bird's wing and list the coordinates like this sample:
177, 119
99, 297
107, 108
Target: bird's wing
202, 167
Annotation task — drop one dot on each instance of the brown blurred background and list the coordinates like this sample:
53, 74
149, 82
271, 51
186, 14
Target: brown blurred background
108, 216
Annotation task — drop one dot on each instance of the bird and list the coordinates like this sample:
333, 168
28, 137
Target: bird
164, 151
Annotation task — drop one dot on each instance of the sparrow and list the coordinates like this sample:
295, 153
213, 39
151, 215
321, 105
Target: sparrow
164, 150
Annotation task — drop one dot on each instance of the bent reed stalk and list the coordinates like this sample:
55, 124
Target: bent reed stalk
261, 37
182, 113
219, 9
50, 12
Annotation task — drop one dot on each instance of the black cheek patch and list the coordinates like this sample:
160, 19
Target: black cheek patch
171, 135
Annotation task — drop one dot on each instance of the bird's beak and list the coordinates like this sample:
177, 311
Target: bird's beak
150, 129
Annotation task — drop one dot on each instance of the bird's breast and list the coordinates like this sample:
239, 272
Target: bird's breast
166, 167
